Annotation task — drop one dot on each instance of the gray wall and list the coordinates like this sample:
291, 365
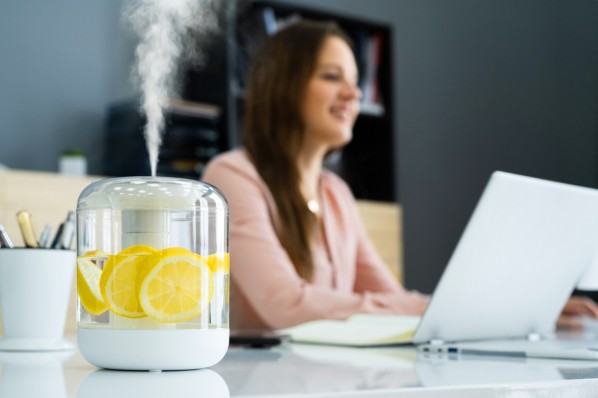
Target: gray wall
487, 85
61, 63
479, 85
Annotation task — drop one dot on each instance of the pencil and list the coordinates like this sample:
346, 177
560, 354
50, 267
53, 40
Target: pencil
27, 230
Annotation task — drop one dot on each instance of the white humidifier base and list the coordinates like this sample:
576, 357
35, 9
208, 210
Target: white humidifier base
169, 349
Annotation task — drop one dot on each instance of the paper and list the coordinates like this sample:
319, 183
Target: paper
362, 330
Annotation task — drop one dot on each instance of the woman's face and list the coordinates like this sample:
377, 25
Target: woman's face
331, 102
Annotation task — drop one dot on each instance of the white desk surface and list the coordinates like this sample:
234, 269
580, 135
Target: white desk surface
302, 371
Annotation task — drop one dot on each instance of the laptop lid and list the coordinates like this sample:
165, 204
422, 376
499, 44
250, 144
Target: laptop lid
516, 263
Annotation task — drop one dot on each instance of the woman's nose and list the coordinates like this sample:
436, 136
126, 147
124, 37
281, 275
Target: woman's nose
352, 91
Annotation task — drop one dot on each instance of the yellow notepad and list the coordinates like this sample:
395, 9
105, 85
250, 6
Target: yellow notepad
362, 330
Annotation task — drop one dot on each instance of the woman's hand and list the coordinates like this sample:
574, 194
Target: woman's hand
410, 302
577, 307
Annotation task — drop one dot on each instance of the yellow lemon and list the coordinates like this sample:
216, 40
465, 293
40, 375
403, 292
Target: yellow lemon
88, 286
219, 262
118, 284
96, 253
177, 287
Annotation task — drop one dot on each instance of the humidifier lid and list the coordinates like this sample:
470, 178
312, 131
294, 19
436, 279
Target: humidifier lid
151, 193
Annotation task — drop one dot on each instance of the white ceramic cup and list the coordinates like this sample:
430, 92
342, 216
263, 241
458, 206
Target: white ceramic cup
35, 287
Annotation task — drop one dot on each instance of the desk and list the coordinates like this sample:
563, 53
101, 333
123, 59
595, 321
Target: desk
303, 371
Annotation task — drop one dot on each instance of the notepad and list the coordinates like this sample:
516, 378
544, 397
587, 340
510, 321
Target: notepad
361, 330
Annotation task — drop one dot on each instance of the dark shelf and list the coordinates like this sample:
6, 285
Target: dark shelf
192, 136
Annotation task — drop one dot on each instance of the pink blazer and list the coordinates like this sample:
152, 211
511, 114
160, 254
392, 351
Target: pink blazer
266, 291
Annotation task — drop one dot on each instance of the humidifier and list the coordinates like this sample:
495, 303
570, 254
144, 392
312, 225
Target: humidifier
152, 274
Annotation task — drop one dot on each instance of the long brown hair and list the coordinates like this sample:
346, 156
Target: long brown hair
274, 128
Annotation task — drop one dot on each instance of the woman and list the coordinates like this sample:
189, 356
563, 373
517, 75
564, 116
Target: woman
299, 251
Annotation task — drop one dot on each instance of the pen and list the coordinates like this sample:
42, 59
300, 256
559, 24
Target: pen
5, 239
68, 231
57, 238
26, 225
44, 237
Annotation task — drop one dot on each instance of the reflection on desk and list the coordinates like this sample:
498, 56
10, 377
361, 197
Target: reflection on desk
311, 369
188, 383
33, 374
434, 371
302, 371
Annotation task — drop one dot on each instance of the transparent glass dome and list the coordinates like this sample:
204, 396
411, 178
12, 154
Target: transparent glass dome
153, 261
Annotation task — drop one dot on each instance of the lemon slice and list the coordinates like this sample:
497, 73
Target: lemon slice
118, 284
177, 287
88, 286
219, 262
96, 253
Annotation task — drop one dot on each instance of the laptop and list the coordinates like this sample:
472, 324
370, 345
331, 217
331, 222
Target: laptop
518, 260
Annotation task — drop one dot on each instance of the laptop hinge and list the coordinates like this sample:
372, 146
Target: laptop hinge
534, 336
436, 342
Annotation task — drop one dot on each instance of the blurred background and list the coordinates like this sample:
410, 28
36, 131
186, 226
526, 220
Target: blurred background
464, 87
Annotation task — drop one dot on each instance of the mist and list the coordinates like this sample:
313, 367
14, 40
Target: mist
169, 32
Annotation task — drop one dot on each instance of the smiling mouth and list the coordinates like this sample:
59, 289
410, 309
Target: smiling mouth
340, 113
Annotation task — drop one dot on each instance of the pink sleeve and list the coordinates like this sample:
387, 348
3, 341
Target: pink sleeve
372, 275
260, 267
